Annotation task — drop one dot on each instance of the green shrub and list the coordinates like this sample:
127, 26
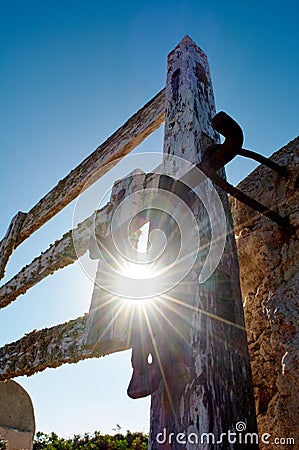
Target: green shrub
95, 441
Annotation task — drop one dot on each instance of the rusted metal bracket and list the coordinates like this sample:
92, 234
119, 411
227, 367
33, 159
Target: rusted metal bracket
216, 156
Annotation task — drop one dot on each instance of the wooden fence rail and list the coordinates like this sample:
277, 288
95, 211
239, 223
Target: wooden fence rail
59, 255
119, 144
66, 343
52, 347
74, 243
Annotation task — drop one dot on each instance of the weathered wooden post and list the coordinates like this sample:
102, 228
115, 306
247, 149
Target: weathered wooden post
213, 406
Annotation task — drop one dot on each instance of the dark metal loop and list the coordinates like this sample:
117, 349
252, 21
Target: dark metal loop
216, 156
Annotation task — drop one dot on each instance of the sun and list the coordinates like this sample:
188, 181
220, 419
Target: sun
136, 270
139, 269
135, 273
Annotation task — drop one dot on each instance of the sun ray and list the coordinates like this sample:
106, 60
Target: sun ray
114, 314
104, 304
206, 313
170, 323
131, 321
157, 355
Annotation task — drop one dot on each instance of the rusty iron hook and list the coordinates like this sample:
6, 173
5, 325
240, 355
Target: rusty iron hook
216, 156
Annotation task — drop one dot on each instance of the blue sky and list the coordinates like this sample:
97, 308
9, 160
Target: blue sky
71, 72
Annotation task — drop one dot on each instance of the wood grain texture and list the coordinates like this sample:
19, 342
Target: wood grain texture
216, 390
59, 255
119, 144
8, 243
68, 342
52, 347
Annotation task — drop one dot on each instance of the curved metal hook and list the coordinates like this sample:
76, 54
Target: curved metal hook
217, 155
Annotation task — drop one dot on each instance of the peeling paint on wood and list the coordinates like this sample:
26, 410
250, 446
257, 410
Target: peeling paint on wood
67, 343
8, 243
119, 144
60, 254
219, 391
63, 252
52, 347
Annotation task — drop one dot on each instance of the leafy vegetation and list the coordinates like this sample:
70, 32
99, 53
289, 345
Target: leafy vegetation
95, 441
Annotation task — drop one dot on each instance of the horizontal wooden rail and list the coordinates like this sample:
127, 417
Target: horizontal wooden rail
52, 347
119, 144
63, 252
8, 243
59, 255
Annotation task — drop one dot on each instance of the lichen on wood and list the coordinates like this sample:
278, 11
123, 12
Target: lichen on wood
59, 255
218, 391
8, 243
52, 347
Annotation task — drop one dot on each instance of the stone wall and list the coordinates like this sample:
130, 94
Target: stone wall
17, 422
268, 258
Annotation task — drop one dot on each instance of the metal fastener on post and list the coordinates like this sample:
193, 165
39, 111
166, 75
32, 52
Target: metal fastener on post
216, 156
